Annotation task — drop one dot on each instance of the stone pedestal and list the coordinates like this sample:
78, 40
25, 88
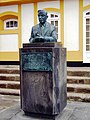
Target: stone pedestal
43, 78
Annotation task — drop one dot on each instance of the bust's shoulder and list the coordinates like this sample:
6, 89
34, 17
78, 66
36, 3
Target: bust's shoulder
50, 25
35, 27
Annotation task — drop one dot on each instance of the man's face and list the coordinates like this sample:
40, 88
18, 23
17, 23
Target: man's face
42, 16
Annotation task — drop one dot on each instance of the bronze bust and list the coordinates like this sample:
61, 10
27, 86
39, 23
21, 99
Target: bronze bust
44, 31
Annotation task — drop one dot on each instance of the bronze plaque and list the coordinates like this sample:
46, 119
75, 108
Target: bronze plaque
36, 61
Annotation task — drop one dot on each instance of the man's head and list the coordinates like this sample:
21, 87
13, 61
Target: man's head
42, 16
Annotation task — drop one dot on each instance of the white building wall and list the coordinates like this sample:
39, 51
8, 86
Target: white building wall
86, 2
27, 21
13, 8
71, 24
52, 4
9, 43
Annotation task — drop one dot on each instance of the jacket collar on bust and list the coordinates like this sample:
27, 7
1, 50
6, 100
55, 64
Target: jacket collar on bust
44, 25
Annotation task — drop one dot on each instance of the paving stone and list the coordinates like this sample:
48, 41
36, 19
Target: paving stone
79, 106
8, 101
80, 115
73, 111
65, 115
7, 114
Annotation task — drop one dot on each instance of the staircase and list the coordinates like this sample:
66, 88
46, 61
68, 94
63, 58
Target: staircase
9, 80
78, 84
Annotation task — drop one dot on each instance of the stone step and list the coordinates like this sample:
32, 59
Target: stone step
5, 91
78, 97
8, 98
9, 71
10, 66
10, 77
78, 80
78, 88
78, 71
10, 84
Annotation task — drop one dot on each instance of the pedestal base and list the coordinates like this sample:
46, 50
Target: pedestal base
40, 116
43, 78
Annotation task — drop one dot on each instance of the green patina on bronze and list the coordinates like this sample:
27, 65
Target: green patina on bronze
37, 61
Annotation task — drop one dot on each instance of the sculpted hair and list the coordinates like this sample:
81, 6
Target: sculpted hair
42, 11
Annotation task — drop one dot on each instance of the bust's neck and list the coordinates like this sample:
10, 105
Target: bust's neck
42, 24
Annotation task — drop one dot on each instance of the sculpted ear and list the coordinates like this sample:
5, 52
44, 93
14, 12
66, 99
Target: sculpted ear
47, 16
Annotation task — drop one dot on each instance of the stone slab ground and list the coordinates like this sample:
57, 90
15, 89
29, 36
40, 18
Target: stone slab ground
10, 110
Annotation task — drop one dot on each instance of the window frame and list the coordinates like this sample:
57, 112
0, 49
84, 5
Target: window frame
55, 19
86, 16
10, 28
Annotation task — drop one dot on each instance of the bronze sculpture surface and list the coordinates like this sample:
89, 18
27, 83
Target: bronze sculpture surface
44, 31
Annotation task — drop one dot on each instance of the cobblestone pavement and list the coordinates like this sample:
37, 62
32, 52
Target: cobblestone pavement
7, 101
10, 110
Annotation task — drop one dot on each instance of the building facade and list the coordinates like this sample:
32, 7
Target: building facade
71, 18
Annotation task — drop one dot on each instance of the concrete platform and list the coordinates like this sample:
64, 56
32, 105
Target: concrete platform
73, 111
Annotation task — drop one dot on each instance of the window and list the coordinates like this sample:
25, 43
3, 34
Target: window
54, 19
87, 21
11, 24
